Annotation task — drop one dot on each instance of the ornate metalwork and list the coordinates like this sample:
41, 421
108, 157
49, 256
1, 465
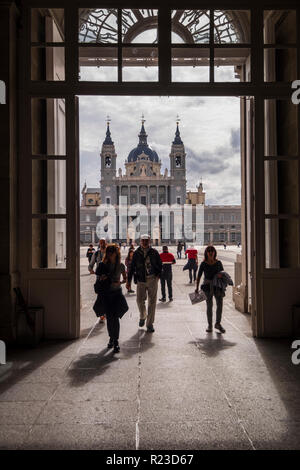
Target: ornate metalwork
137, 21
192, 26
98, 26
224, 30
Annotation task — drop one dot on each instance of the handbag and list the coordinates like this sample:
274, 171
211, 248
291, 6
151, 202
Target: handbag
196, 297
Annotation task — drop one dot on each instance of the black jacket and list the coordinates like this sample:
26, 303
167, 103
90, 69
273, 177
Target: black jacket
138, 267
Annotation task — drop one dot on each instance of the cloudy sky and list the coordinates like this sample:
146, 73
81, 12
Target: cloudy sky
210, 130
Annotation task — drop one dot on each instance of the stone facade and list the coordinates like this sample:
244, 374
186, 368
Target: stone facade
221, 223
143, 182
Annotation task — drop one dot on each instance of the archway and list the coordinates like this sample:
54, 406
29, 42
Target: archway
63, 50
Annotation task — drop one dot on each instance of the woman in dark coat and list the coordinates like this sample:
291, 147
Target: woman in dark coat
211, 267
110, 300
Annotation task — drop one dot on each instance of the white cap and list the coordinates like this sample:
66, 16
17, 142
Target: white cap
145, 237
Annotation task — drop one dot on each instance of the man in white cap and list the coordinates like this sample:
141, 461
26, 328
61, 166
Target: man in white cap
146, 266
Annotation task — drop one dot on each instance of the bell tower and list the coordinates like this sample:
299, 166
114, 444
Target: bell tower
108, 169
178, 168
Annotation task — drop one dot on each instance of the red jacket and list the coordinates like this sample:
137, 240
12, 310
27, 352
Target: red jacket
192, 253
167, 258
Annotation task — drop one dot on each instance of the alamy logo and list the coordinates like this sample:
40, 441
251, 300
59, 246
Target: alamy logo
296, 354
2, 352
2, 92
296, 94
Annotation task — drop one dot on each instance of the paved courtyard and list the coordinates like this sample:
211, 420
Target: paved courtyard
179, 388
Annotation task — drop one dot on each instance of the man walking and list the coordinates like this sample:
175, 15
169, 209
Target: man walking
97, 256
166, 274
179, 250
147, 266
90, 251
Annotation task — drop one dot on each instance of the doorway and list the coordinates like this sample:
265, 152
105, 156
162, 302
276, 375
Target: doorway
192, 53
182, 151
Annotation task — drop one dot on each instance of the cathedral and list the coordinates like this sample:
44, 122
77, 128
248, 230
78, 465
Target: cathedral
143, 181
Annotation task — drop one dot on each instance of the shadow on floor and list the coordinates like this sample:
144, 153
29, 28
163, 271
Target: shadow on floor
92, 365
211, 346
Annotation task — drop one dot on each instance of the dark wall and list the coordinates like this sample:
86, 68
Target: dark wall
8, 170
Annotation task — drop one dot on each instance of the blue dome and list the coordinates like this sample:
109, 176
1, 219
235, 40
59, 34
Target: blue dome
142, 147
133, 155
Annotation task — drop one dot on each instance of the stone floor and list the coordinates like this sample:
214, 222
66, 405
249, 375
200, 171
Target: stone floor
179, 388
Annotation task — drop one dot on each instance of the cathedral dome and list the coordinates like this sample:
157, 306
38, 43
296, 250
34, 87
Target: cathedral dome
133, 155
142, 147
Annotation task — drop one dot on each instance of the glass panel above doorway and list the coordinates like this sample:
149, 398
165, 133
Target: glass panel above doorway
98, 25
190, 64
232, 64
140, 64
190, 26
139, 26
232, 27
48, 63
280, 64
98, 64
280, 27
47, 25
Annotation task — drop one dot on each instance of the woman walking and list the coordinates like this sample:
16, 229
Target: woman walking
211, 267
128, 262
110, 300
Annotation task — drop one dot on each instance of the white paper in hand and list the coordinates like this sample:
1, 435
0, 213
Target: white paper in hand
197, 297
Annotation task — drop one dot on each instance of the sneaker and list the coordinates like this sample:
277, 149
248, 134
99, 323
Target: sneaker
110, 344
209, 329
162, 299
142, 322
219, 327
150, 329
116, 348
